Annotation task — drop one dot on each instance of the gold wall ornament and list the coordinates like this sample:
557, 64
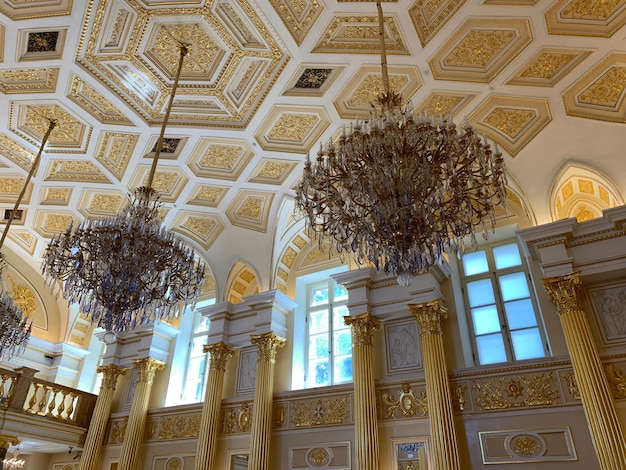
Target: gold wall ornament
406, 405
179, 427
564, 291
459, 397
617, 381
110, 374
23, 297
268, 345
430, 316
494, 394
526, 445
321, 411
118, 431
147, 367
362, 328
219, 354
244, 418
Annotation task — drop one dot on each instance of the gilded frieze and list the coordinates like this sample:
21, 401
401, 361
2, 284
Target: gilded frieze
29, 80
117, 431
617, 381
498, 393
179, 427
322, 411
237, 420
429, 16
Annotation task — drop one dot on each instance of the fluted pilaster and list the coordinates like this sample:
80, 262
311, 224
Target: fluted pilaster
99, 419
211, 409
430, 316
135, 428
365, 421
268, 344
606, 433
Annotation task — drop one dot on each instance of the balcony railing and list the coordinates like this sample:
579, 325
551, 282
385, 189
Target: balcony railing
21, 392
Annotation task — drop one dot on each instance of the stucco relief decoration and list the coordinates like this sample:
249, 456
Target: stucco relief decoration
118, 431
528, 390
617, 381
179, 427
23, 298
406, 405
320, 411
237, 420
402, 346
247, 371
609, 308
572, 385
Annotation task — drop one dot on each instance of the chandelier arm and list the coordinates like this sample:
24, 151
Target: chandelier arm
184, 50
33, 168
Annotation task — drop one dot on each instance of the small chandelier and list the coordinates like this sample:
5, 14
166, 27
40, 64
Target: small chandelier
15, 462
15, 327
400, 189
128, 269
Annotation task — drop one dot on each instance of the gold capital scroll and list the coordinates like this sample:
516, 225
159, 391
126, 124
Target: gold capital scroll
362, 326
110, 374
219, 352
8, 441
147, 367
430, 316
268, 344
564, 291
602, 418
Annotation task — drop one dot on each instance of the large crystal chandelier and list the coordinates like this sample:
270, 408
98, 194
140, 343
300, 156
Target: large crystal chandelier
400, 189
15, 327
127, 270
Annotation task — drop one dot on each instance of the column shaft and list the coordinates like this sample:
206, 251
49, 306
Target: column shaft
365, 420
445, 451
100, 417
268, 345
211, 409
135, 428
606, 432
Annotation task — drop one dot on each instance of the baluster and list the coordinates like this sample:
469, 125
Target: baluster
53, 403
33, 398
3, 398
42, 402
70, 408
61, 407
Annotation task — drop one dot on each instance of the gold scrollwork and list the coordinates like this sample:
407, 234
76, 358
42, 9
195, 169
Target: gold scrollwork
617, 381
179, 427
118, 431
406, 405
320, 411
538, 390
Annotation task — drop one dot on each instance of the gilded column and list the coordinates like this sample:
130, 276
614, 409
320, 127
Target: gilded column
100, 417
365, 421
604, 426
210, 420
135, 428
445, 452
268, 344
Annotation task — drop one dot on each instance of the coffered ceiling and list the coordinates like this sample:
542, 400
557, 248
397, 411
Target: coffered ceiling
268, 80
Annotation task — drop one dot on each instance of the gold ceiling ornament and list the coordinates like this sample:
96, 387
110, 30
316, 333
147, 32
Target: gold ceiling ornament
399, 189
128, 269
15, 325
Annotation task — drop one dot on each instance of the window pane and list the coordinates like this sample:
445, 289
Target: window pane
490, 349
475, 263
203, 325
514, 286
520, 314
485, 320
527, 344
318, 346
319, 373
339, 312
480, 293
319, 296
507, 256
343, 369
343, 342
341, 293
197, 347
318, 321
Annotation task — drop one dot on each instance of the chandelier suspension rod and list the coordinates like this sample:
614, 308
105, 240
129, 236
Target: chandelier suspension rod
383, 48
184, 50
52, 124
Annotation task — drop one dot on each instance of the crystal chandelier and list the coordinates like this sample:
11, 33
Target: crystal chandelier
15, 462
400, 189
15, 327
127, 270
